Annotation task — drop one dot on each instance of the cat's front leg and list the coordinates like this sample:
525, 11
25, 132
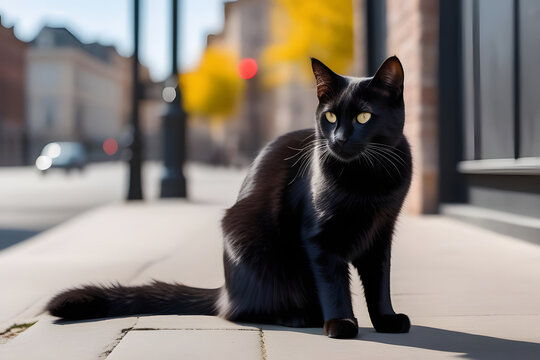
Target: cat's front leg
374, 270
331, 275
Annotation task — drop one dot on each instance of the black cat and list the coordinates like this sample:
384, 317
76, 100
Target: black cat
313, 202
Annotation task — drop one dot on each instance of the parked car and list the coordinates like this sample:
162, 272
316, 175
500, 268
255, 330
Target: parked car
63, 154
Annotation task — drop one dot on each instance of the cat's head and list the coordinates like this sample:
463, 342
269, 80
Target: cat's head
356, 112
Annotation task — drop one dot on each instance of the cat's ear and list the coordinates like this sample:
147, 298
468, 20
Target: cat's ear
328, 81
388, 80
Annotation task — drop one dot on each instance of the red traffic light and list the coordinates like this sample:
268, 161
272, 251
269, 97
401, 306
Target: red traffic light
247, 68
110, 146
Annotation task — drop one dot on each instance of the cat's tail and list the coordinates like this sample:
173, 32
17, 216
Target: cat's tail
89, 302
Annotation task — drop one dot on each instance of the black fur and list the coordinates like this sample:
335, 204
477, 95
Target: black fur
91, 302
313, 202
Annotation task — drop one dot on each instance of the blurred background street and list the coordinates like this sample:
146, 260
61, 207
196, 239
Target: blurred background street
32, 202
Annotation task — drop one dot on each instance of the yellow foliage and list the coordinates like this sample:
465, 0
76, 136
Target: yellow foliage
214, 89
304, 28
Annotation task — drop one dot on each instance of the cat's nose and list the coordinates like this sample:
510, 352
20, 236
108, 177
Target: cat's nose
340, 141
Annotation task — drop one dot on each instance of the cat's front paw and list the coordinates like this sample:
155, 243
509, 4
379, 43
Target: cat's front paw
341, 328
398, 323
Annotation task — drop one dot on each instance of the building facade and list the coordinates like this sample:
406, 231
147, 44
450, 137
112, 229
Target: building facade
237, 140
472, 114
79, 92
490, 115
12, 95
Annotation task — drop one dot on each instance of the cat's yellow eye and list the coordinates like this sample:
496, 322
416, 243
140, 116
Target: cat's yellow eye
363, 118
331, 117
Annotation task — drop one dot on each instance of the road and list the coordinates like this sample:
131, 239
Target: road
31, 202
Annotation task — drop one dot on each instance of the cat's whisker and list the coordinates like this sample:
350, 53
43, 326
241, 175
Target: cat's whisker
379, 157
328, 155
307, 163
322, 156
323, 151
367, 156
341, 173
295, 155
292, 181
378, 160
389, 159
301, 152
389, 147
304, 160
384, 151
297, 160
311, 135
390, 153
374, 156
307, 146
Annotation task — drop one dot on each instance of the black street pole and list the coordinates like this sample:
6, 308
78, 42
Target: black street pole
173, 181
135, 183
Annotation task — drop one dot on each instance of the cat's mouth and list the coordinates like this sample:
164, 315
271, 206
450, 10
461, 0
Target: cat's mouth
346, 153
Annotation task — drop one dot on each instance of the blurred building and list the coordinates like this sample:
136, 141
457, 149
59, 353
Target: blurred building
266, 112
12, 109
79, 92
237, 140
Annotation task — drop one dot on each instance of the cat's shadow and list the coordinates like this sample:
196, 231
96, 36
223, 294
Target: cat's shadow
471, 346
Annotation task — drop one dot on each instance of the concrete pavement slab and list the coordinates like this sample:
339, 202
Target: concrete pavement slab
189, 344
517, 329
198, 256
443, 267
187, 322
287, 344
77, 340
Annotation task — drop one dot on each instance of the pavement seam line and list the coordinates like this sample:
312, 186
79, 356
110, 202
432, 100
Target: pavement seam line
263, 345
105, 354
189, 329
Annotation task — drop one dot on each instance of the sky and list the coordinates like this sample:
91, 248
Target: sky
110, 22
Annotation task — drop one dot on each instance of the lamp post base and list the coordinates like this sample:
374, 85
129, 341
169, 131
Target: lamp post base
173, 187
173, 181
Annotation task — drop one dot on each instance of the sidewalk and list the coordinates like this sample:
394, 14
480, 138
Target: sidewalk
470, 293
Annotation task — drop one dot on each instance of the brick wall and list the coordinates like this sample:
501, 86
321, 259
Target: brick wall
413, 37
